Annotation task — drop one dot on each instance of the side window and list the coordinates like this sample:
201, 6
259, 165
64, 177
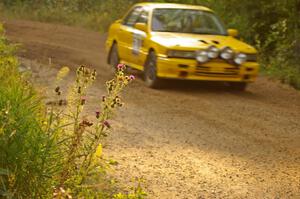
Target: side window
132, 17
143, 17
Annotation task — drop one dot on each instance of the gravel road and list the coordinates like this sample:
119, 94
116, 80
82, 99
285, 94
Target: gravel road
191, 139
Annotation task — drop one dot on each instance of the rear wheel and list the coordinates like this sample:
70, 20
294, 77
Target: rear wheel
150, 71
238, 86
114, 59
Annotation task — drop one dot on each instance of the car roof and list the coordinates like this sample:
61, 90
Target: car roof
174, 5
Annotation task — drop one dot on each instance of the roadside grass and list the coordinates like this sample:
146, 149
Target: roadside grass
21, 137
287, 74
97, 16
54, 151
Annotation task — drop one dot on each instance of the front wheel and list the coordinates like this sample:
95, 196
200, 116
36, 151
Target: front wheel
238, 86
150, 71
114, 59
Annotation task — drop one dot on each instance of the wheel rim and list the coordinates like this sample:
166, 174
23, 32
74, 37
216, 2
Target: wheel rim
151, 70
114, 59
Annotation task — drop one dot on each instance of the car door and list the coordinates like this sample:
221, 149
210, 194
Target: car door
125, 35
139, 50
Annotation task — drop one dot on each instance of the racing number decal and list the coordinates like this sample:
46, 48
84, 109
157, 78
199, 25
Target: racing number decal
137, 44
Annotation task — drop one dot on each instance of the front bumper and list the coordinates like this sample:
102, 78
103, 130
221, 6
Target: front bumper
214, 70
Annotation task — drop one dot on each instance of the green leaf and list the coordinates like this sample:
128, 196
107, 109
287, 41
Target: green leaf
4, 171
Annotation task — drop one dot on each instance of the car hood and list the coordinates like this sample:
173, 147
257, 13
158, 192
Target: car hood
182, 41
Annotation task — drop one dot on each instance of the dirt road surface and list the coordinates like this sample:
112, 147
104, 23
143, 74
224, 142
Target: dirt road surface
190, 140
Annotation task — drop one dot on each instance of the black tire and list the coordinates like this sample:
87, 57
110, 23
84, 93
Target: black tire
114, 59
150, 72
238, 86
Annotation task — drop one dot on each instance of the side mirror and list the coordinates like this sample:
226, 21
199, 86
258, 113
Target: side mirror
141, 26
233, 32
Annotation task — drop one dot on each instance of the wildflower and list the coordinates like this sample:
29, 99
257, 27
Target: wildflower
94, 73
121, 66
60, 102
57, 89
132, 77
83, 100
113, 104
79, 90
81, 68
63, 72
98, 152
117, 99
86, 123
97, 114
107, 124
110, 88
87, 71
120, 78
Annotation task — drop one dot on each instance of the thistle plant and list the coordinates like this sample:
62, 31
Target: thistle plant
53, 150
82, 138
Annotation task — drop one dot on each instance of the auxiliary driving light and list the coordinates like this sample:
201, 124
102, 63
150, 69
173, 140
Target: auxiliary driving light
202, 56
240, 58
227, 53
213, 52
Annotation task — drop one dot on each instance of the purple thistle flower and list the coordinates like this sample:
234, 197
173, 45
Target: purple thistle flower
121, 66
107, 124
132, 77
97, 114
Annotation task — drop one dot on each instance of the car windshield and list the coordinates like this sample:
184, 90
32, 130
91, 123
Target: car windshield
186, 21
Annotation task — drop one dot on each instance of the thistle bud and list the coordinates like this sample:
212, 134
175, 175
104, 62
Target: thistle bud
106, 124
83, 101
57, 89
97, 114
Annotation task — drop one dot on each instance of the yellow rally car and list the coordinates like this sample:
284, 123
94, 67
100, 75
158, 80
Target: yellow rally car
180, 41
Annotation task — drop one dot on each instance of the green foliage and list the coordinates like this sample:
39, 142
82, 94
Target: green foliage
273, 27
93, 14
54, 151
22, 141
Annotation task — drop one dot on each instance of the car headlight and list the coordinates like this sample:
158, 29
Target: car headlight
240, 58
202, 56
227, 53
181, 54
213, 52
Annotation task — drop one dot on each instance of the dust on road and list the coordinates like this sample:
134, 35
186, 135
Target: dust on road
192, 139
